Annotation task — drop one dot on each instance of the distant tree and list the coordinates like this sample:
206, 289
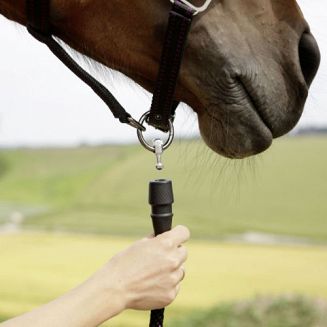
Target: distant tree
312, 130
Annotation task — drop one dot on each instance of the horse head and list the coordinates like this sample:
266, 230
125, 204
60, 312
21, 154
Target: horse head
246, 71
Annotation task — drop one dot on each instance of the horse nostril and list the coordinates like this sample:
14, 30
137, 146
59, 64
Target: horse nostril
309, 55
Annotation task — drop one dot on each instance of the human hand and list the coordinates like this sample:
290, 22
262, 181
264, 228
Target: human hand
147, 275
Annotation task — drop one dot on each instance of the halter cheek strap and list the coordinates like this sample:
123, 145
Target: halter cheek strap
38, 12
163, 103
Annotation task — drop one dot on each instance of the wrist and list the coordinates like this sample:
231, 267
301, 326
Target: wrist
108, 297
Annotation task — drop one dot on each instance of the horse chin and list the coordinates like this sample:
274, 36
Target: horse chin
236, 138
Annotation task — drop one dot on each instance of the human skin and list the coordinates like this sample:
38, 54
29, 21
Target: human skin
145, 276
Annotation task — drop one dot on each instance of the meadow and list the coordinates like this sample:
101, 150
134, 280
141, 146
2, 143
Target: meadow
104, 189
71, 209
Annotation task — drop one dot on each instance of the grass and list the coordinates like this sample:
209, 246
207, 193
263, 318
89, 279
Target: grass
267, 312
54, 177
102, 192
104, 189
35, 268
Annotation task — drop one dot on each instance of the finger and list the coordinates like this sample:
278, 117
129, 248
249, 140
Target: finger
182, 254
150, 236
181, 273
178, 235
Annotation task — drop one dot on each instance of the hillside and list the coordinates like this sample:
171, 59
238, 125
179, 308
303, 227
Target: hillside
104, 189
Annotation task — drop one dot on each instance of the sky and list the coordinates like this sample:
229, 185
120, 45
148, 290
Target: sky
43, 104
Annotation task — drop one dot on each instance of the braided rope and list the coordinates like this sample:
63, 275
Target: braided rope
157, 318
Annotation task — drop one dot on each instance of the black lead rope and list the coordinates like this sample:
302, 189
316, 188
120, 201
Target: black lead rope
162, 110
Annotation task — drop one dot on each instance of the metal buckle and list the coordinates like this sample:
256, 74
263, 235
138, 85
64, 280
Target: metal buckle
196, 9
134, 123
145, 143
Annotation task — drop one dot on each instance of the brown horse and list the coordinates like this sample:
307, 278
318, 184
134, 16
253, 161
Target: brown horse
246, 71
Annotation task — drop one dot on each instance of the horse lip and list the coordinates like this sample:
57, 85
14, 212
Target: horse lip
240, 145
254, 104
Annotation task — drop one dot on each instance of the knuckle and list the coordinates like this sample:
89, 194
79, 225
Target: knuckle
173, 263
167, 243
173, 280
184, 252
170, 296
184, 230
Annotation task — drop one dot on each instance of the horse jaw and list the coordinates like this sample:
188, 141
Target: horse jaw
245, 74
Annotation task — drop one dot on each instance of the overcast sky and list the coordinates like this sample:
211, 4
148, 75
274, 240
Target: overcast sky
42, 103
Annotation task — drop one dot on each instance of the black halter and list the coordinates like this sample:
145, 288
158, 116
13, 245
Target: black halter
163, 104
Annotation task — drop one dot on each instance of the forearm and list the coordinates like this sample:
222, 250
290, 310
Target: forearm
87, 305
145, 276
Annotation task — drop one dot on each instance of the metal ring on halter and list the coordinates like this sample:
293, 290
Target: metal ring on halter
145, 143
196, 9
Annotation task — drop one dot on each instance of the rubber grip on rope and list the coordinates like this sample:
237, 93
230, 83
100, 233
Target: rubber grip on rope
161, 199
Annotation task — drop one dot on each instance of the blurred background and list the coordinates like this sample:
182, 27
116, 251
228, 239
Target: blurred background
73, 192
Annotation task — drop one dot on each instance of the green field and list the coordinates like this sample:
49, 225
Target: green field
104, 189
38, 267
75, 208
